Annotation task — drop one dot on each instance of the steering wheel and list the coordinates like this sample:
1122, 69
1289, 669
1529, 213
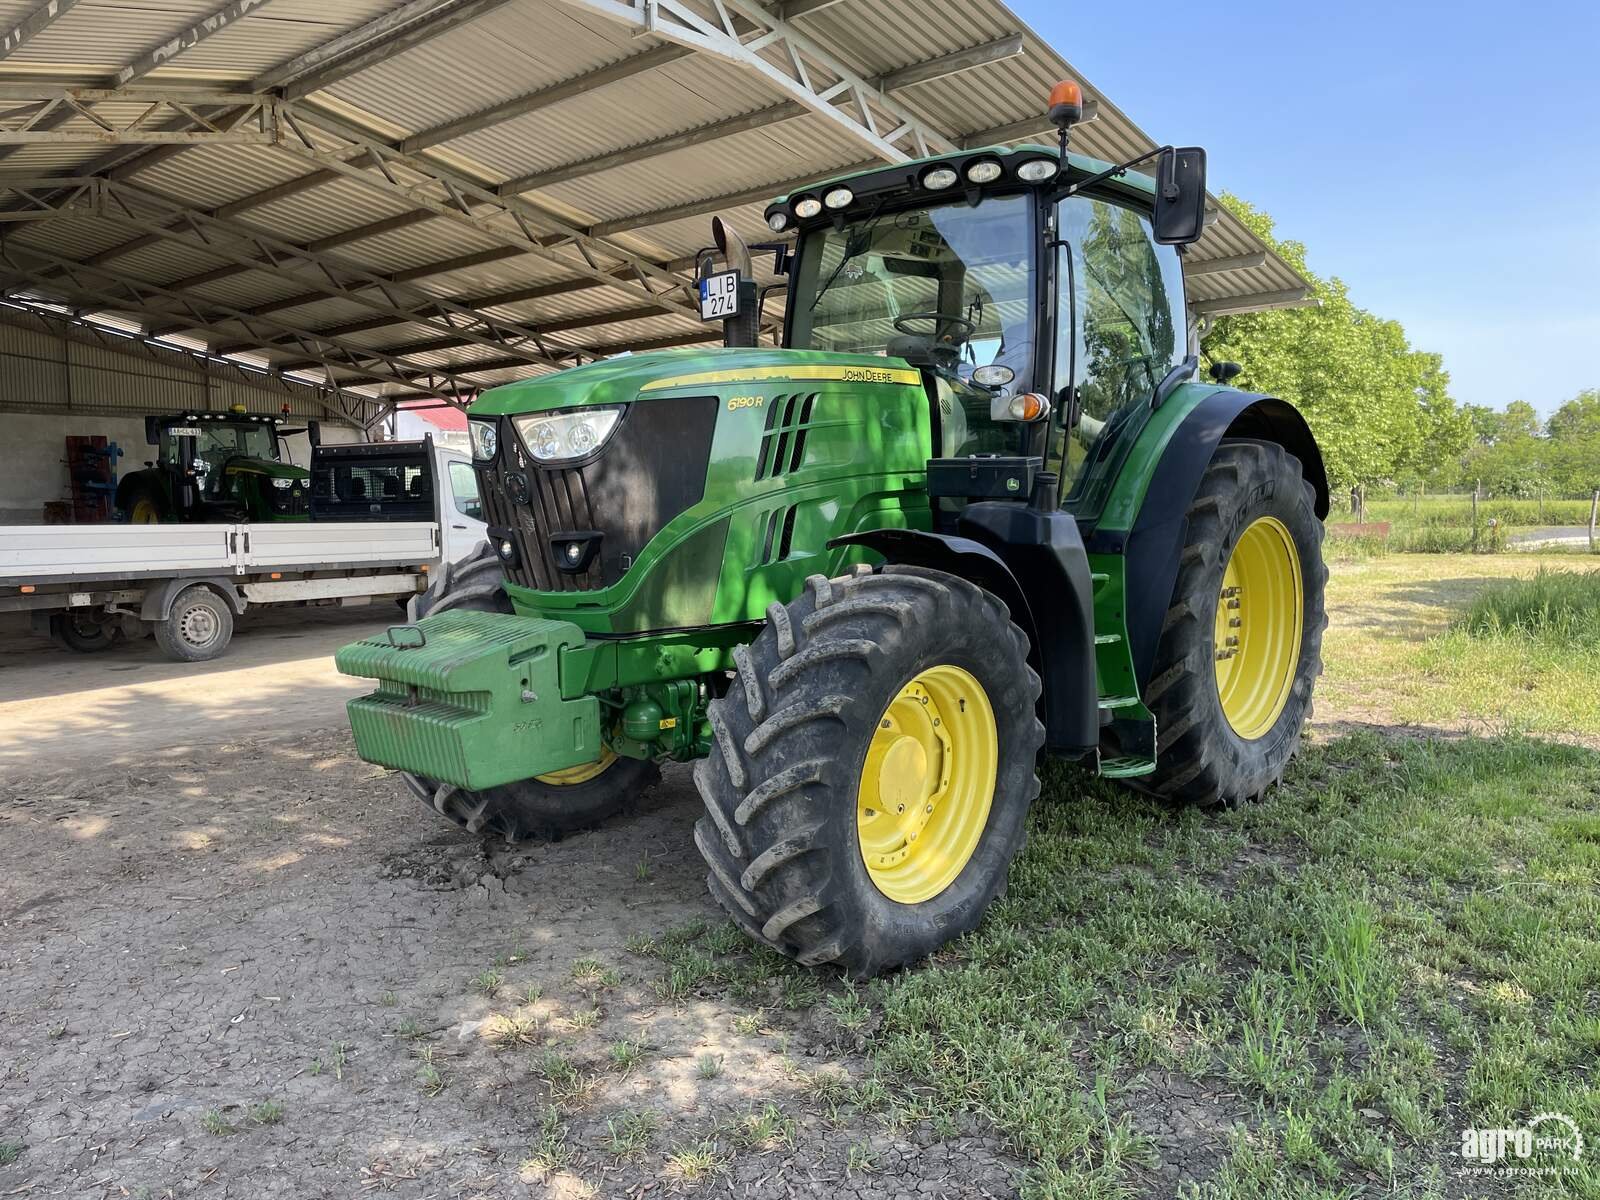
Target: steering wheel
959, 329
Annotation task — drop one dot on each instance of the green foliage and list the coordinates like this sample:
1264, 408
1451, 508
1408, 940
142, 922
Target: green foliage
1380, 409
1513, 453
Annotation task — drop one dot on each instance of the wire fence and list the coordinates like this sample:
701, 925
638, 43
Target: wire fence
1362, 522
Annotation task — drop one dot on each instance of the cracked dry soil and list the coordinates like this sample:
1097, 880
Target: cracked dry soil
257, 967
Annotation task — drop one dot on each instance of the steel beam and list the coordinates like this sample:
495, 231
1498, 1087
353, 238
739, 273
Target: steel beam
697, 208
1222, 306
954, 63
161, 55
42, 199
36, 22
795, 66
120, 292
443, 19
428, 187
1215, 266
628, 155
168, 117
520, 106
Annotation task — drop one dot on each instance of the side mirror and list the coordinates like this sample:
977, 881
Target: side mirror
152, 430
1180, 212
314, 433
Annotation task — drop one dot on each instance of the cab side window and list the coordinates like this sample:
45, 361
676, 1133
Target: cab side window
1127, 297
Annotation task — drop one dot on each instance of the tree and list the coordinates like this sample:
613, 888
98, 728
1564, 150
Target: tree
1380, 409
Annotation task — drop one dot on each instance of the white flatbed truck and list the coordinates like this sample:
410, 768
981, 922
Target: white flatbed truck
89, 585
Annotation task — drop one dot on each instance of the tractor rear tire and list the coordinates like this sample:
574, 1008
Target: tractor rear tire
198, 628
541, 809
871, 709
1229, 713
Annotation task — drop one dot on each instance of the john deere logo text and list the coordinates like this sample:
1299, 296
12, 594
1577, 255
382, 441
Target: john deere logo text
735, 403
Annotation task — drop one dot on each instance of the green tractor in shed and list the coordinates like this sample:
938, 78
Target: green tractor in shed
976, 508
216, 466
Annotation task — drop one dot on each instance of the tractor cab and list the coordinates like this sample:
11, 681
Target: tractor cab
1037, 296
216, 467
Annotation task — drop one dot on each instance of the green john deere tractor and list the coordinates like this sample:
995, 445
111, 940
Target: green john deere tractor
216, 466
976, 508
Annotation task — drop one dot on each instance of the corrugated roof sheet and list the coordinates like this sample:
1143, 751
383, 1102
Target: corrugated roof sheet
506, 52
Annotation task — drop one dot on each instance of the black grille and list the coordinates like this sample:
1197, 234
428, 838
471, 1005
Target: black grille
652, 469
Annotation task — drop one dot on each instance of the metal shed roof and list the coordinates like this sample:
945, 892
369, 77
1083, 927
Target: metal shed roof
431, 197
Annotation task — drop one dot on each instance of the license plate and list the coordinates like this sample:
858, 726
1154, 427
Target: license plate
719, 296
185, 431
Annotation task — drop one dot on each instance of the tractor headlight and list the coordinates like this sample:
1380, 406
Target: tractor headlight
936, 179
283, 484
1037, 170
561, 437
485, 441
985, 170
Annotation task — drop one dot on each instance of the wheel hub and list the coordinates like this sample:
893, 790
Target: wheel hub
198, 626
927, 784
1256, 639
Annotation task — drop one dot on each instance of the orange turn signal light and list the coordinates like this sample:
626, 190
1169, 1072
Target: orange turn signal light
1066, 103
1029, 406
26, 589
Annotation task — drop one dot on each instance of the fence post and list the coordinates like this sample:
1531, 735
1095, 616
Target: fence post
1541, 504
1474, 517
1594, 511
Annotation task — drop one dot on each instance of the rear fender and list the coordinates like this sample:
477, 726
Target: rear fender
1151, 547
1061, 650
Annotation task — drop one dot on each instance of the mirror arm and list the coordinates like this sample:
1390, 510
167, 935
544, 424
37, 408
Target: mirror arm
1113, 172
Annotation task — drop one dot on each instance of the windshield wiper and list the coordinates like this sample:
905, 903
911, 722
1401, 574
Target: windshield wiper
858, 242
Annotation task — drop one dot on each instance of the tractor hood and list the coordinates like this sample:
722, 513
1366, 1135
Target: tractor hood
675, 372
271, 468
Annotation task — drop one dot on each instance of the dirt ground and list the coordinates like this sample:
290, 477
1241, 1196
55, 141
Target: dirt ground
238, 961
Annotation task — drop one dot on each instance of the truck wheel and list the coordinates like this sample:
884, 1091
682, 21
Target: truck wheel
1241, 645
198, 628
546, 807
872, 769
80, 632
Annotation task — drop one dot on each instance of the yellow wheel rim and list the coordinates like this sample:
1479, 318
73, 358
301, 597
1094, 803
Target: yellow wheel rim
144, 513
581, 773
927, 784
1260, 613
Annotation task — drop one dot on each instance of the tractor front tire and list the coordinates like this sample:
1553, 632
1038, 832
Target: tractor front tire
545, 808
146, 507
872, 769
1241, 644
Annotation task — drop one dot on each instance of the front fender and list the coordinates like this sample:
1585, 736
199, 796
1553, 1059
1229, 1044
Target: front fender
1152, 543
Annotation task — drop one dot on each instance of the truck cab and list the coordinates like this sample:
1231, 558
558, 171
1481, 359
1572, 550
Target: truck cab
400, 481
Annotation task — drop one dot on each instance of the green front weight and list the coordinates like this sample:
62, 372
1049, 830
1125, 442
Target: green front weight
471, 698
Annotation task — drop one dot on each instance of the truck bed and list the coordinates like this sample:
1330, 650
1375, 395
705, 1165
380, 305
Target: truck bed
34, 554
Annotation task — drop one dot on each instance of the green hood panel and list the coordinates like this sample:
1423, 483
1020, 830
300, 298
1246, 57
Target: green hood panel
675, 372
271, 468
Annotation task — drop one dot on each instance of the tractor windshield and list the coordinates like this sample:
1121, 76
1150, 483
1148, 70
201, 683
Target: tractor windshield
952, 282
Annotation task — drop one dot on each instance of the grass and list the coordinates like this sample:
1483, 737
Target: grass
694, 1163
1407, 927
1403, 646
214, 1123
632, 1133
268, 1112
488, 981
708, 1066
1397, 944
10, 1151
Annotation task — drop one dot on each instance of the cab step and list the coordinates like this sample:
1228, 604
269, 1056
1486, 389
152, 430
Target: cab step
1115, 702
1126, 767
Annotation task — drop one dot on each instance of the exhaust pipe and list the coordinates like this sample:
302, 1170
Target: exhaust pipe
743, 329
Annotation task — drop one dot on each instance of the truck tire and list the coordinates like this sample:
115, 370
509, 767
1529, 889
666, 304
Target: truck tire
872, 769
80, 633
198, 628
544, 808
1229, 712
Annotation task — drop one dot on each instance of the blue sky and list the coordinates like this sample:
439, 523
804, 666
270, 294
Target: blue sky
1443, 159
